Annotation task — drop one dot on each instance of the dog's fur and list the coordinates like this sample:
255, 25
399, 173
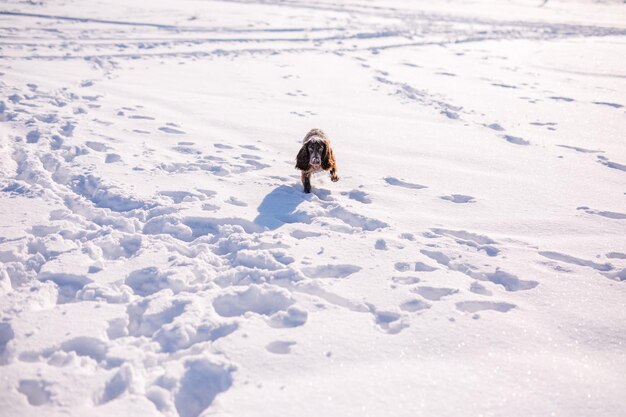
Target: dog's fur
316, 155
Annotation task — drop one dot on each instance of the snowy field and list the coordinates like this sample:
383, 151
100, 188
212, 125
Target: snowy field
159, 258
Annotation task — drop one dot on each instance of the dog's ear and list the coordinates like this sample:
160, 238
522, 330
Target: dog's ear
328, 160
303, 158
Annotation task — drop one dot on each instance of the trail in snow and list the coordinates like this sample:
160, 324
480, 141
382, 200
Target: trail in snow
158, 256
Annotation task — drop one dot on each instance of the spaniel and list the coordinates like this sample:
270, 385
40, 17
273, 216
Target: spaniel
316, 155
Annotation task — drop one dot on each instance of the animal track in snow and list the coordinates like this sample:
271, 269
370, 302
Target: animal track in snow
303, 234
605, 161
381, 244
236, 202
68, 284
202, 382
515, 140
149, 280
478, 242
547, 125
86, 346
604, 103
477, 288
222, 146
186, 150
292, 317
171, 130
579, 149
465, 235
496, 127
458, 198
504, 85
435, 293
180, 196
35, 391
280, 347
557, 98
359, 196
6, 335
509, 281
256, 299
416, 266
117, 385
112, 157
140, 117
576, 261
331, 271
33, 136
414, 305
389, 322
405, 280
97, 146
603, 213
147, 315
475, 306
399, 183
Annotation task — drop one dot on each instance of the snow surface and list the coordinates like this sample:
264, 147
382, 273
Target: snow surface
158, 256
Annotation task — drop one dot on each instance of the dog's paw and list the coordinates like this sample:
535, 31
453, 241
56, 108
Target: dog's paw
334, 179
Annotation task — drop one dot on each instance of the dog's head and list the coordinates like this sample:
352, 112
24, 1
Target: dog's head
315, 152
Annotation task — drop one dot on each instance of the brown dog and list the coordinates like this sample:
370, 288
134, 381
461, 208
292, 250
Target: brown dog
316, 155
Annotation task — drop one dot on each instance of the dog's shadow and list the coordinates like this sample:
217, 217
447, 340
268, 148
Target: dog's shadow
279, 206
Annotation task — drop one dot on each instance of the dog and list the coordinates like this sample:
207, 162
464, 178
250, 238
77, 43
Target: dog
316, 155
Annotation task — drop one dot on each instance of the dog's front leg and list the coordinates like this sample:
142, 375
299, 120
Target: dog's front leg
306, 181
333, 175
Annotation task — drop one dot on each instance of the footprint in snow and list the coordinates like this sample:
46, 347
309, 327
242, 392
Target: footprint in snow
604, 103
257, 299
475, 306
331, 271
405, 280
36, 392
478, 288
435, 293
303, 234
97, 146
280, 347
140, 117
171, 130
33, 136
504, 85
579, 149
605, 161
389, 322
496, 127
399, 183
222, 146
179, 196
415, 266
561, 257
608, 214
358, 195
515, 140
558, 98
459, 198
414, 305
236, 202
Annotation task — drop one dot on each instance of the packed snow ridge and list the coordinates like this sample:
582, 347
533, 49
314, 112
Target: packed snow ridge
158, 256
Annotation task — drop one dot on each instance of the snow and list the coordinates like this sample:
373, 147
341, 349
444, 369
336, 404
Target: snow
159, 258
